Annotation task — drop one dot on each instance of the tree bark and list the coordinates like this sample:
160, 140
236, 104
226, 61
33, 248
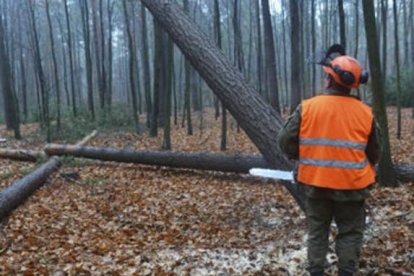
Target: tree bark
18, 191
342, 30
133, 74
387, 174
55, 67
21, 155
146, 65
397, 66
294, 55
72, 72
236, 163
272, 88
7, 87
257, 118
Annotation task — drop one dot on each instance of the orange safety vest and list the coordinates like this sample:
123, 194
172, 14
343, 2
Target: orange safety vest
333, 137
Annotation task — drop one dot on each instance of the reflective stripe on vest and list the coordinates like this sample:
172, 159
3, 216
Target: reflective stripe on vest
332, 141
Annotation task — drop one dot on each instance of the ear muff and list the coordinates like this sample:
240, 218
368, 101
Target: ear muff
364, 77
346, 77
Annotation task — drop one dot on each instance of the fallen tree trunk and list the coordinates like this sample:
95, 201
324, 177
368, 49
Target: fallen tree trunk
22, 155
199, 161
33, 155
17, 192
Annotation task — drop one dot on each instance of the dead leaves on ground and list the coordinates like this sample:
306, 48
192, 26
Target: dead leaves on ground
123, 219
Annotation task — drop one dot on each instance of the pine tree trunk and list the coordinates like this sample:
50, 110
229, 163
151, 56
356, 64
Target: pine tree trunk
295, 54
272, 87
386, 172
55, 67
132, 68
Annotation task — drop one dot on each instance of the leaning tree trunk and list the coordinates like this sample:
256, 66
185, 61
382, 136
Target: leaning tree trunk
17, 192
257, 118
199, 161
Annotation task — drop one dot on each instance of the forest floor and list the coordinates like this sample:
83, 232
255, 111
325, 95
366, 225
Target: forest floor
141, 220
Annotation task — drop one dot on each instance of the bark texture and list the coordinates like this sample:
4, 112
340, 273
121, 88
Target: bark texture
199, 161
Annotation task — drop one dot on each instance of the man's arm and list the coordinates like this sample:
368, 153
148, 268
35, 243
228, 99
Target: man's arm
288, 137
374, 146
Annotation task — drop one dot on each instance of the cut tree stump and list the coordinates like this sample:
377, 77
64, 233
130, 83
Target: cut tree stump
199, 161
17, 192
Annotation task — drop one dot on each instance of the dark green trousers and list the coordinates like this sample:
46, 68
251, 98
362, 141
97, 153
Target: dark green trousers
350, 220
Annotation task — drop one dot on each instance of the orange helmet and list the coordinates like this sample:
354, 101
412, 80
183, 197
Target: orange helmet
346, 71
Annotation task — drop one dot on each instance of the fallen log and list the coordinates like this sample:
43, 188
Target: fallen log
33, 155
199, 161
17, 192
22, 155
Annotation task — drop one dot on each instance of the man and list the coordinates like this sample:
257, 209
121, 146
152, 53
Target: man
336, 143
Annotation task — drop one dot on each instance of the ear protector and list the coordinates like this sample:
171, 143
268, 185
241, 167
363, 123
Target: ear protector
348, 77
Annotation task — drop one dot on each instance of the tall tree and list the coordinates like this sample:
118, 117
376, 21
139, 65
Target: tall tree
146, 66
342, 29
386, 171
397, 66
133, 74
158, 58
55, 67
9, 96
70, 46
217, 38
272, 86
295, 54
259, 48
166, 144
40, 72
384, 19
88, 58
187, 86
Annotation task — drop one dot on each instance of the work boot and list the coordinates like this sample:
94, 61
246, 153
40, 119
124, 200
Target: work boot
318, 273
345, 273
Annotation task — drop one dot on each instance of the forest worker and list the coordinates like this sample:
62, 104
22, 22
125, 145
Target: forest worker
336, 142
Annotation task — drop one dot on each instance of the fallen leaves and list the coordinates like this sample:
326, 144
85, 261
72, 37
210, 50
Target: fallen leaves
123, 219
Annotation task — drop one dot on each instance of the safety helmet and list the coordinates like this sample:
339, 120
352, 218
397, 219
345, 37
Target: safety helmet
346, 71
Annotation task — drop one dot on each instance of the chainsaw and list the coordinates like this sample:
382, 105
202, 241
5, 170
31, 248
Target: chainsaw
274, 174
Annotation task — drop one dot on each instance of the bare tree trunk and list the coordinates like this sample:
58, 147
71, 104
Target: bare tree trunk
342, 30
133, 74
386, 172
55, 67
9, 96
259, 48
217, 37
272, 87
40, 73
397, 65
88, 58
187, 92
384, 13
146, 66
72, 72
295, 54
